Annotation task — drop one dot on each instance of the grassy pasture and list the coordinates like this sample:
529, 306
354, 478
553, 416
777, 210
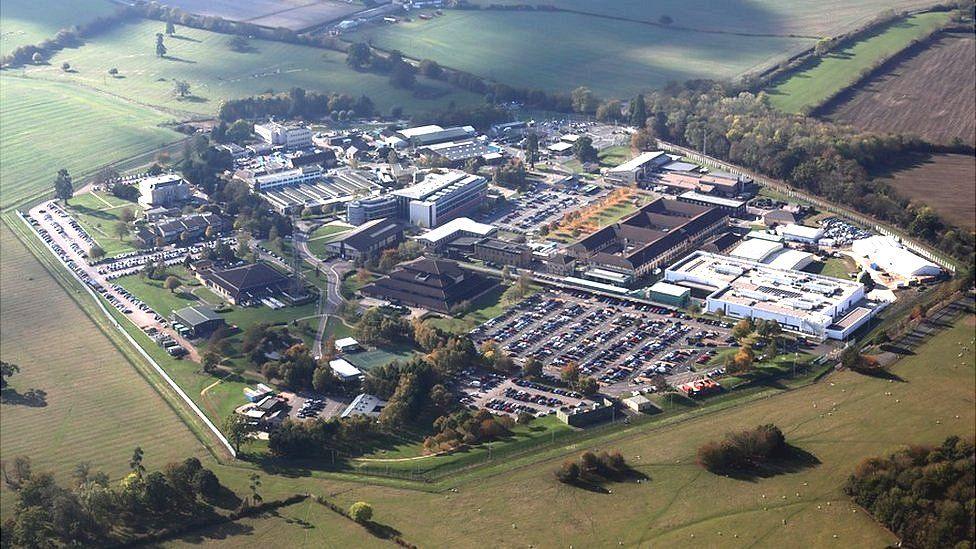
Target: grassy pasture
98, 406
551, 52
214, 72
799, 17
839, 69
840, 420
100, 218
42, 125
26, 22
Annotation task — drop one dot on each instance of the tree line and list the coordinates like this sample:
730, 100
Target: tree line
92, 511
71, 37
924, 494
830, 161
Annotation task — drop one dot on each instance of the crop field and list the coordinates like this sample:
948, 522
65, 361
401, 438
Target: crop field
291, 14
839, 69
942, 181
24, 22
931, 94
548, 50
790, 17
215, 72
112, 129
98, 406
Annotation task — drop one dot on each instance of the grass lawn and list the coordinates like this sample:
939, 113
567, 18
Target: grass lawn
156, 296
113, 130
214, 72
377, 357
100, 220
33, 21
614, 156
839, 69
837, 267
351, 283
485, 307
318, 240
547, 51
98, 406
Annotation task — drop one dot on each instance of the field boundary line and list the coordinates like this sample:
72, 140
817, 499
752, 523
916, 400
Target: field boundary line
152, 362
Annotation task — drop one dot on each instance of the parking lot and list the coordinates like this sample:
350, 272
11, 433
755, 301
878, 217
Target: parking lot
529, 211
509, 396
623, 345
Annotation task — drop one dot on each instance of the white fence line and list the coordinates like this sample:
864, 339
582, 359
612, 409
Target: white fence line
193, 406
920, 249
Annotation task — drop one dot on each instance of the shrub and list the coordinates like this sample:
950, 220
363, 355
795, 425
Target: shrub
361, 512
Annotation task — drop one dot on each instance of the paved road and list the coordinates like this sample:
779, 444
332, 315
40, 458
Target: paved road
50, 216
333, 300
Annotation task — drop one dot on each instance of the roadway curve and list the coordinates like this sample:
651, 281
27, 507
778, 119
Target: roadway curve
334, 270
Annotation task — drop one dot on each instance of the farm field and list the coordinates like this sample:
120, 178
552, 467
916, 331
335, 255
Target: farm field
547, 51
24, 22
113, 130
793, 17
930, 94
838, 69
291, 14
93, 392
215, 72
942, 181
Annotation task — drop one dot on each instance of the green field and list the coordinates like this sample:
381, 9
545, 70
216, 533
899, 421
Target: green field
319, 238
784, 17
839, 69
62, 114
215, 72
559, 51
24, 22
99, 214
98, 406
486, 307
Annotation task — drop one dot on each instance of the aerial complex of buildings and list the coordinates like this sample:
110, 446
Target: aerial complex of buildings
663, 256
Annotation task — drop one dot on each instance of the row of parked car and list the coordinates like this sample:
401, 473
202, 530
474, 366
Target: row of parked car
311, 408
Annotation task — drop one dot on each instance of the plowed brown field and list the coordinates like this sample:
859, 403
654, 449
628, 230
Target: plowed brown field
945, 182
931, 93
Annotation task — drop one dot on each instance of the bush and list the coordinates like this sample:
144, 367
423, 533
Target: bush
361, 512
742, 450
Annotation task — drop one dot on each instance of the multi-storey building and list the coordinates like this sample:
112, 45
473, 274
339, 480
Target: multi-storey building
441, 197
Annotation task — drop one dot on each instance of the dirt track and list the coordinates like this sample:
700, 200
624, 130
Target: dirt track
931, 93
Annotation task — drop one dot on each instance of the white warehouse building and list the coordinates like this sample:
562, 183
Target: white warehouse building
888, 255
820, 306
276, 134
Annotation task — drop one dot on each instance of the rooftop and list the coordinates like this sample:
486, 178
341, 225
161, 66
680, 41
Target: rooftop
639, 161
460, 224
197, 315
436, 183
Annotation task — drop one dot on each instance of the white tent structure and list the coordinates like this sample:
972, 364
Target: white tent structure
888, 255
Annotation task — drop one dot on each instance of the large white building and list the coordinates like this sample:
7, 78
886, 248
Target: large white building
275, 180
163, 191
276, 134
637, 169
887, 254
461, 226
441, 197
821, 306
421, 136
